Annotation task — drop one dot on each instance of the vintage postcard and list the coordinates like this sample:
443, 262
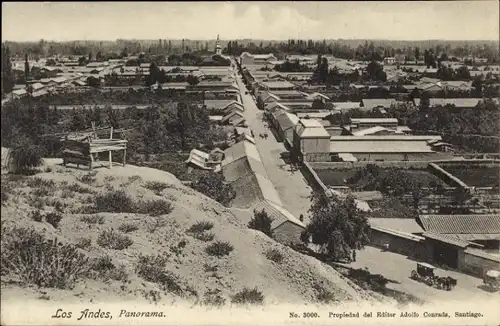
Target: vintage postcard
250, 163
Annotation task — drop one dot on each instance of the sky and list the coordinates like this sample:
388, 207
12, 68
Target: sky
405, 20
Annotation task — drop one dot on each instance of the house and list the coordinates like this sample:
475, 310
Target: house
201, 160
285, 227
243, 169
19, 93
459, 103
265, 97
285, 123
372, 131
233, 106
278, 85
374, 122
383, 148
462, 241
344, 106
389, 60
234, 118
252, 59
311, 141
371, 104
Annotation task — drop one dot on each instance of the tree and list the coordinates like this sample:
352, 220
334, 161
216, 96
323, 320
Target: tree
192, 80
24, 157
261, 222
214, 186
7, 75
26, 67
375, 71
336, 225
417, 53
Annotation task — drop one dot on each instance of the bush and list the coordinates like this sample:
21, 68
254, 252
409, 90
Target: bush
88, 178
156, 186
199, 227
93, 219
155, 223
75, 187
128, 227
248, 296
38, 182
115, 201
105, 269
210, 268
274, 255
24, 158
219, 249
113, 240
36, 260
323, 295
261, 222
53, 218
155, 207
36, 216
84, 243
213, 298
206, 237
152, 269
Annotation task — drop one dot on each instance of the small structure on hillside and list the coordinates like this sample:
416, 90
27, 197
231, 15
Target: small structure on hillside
84, 147
206, 161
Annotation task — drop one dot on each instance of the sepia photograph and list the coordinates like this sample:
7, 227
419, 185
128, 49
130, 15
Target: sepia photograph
250, 163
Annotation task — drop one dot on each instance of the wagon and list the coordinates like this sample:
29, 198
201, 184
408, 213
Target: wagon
424, 273
492, 279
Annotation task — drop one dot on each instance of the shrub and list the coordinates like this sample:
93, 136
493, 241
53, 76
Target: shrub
24, 158
84, 243
323, 295
41, 192
154, 207
115, 201
213, 298
38, 182
105, 269
152, 269
199, 227
75, 187
5, 193
274, 255
113, 240
156, 223
134, 178
248, 296
204, 236
92, 219
219, 249
53, 218
261, 222
156, 186
88, 178
128, 227
36, 216
36, 260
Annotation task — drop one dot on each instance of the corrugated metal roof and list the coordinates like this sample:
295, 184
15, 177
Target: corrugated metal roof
370, 131
446, 239
374, 120
461, 224
357, 145
372, 103
407, 225
198, 158
278, 84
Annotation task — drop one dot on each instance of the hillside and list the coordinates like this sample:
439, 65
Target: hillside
297, 279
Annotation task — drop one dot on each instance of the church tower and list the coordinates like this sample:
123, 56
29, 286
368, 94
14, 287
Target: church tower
218, 50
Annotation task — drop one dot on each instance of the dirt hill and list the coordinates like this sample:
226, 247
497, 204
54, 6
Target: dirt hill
193, 274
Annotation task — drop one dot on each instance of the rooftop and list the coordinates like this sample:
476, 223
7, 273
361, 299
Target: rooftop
374, 120
462, 224
278, 214
406, 225
351, 144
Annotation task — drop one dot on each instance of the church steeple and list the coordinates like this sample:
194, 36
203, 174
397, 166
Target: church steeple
218, 49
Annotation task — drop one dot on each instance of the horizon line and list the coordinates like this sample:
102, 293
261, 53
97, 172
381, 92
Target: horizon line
252, 39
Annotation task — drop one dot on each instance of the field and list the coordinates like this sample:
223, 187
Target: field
476, 176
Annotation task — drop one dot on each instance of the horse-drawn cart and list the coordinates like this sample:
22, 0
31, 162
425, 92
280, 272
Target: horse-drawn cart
425, 274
